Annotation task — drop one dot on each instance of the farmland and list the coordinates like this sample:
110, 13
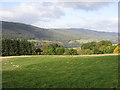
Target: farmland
60, 72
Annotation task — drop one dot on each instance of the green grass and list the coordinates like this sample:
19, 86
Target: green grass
61, 72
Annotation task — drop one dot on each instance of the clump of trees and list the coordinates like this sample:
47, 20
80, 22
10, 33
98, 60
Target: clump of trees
11, 47
70, 52
14, 47
101, 47
52, 49
55, 49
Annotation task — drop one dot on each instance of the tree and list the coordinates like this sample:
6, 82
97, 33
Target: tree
111, 49
38, 51
70, 52
100, 47
89, 45
14, 47
105, 43
73, 52
85, 52
117, 49
60, 50
52, 49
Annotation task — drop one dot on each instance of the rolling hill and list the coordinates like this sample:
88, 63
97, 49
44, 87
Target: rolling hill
70, 37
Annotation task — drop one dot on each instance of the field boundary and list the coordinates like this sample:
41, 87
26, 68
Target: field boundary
60, 55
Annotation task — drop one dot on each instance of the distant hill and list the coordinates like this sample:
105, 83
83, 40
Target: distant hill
71, 37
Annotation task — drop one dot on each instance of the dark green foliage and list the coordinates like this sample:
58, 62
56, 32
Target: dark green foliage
90, 45
67, 52
55, 49
60, 50
70, 52
15, 47
107, 49
96, 50
12, 47
101, 47
52, 49
38, 51
105, 43
85, 52
49, 51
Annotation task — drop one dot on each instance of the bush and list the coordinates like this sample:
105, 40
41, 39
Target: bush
117, 49
60, 50
38, 51
101, 47
89, 45
49, 51
70, 52
52, 49
85, 52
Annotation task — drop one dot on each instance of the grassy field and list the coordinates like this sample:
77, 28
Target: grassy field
60, 72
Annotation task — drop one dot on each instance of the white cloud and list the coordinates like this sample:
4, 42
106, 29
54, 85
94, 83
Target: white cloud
108, 25
49, 14
44, 11
100, 24
31, 12
85, 5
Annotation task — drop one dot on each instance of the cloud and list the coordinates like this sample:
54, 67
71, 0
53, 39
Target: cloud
85, 5
31, 12
100, 24
42, 11
55, 14
110, 24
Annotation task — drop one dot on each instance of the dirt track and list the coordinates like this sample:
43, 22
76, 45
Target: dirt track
59, 55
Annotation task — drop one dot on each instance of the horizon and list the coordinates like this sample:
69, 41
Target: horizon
97, 16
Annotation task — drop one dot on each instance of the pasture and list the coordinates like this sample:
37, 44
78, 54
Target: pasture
60, 72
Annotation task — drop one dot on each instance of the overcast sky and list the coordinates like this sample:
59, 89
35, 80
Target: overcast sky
100, 16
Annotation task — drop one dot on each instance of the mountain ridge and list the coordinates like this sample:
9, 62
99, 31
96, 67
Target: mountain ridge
66, 35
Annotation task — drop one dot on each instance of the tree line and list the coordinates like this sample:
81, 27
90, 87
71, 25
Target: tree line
101, 47
55, 49
15, 47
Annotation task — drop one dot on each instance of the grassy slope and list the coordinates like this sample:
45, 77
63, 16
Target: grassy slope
61, 72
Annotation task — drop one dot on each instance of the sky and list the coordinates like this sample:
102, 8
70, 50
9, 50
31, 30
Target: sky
100, 16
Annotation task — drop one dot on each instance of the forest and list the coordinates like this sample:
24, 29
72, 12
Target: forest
16, 47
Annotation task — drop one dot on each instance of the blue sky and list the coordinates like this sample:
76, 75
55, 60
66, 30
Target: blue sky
98, 16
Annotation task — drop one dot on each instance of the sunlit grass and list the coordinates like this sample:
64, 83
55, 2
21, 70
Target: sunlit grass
61, 72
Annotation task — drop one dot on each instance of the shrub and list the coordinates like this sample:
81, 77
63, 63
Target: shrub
85, 52
70, 52
52, 49
101, 47
60, 50
49, 51
117, 49
89, 45
38, 51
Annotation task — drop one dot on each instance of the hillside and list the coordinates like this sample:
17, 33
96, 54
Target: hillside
71, 37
